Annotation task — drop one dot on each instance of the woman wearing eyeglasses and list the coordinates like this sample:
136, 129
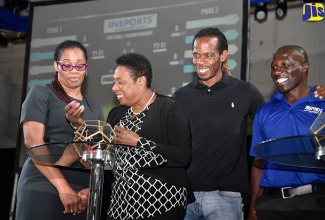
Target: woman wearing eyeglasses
46, 192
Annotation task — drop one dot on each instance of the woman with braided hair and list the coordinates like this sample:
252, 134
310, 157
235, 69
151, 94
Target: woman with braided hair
49, 114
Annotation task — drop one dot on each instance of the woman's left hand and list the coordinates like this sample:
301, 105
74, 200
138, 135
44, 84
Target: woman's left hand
125, 136
83, 194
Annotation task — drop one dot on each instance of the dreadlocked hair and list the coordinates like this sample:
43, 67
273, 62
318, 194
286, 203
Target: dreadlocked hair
222, 43
61, 94
225, 67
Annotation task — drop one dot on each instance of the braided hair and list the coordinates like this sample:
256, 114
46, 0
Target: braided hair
58, 89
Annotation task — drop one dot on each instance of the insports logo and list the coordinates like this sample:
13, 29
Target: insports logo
130, 23
313, 11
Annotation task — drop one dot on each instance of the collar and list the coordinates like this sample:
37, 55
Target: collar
279, 96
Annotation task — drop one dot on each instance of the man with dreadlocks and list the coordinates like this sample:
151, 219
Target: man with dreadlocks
217, 106
46, 192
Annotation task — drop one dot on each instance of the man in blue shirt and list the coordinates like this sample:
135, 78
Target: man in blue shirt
291, 111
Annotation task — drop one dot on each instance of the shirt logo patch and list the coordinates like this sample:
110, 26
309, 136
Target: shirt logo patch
313, 109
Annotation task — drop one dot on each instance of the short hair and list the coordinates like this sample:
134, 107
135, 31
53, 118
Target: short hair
138, 64
68, 44
297, 49
213, 32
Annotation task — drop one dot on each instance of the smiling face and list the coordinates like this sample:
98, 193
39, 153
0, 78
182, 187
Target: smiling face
207, 61
127, 89
288, 70
71, 79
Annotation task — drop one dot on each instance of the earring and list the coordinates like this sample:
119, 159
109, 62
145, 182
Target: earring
86, 74
55, 72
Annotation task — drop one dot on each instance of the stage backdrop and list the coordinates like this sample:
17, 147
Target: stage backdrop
162, 30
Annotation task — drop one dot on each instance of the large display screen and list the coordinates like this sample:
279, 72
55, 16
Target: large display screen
162, 30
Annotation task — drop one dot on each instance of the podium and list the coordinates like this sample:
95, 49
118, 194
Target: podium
300, 153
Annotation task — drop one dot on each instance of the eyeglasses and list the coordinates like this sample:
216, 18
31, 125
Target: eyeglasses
68, 67
285, 66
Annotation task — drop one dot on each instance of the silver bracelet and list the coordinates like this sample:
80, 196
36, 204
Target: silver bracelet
73, 127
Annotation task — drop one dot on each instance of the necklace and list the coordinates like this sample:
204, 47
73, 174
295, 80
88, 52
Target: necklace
136, 113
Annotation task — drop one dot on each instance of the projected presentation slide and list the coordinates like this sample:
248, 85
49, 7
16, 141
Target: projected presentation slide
163, 31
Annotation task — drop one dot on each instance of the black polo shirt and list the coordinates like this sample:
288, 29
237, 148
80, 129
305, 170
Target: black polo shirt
218, 119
